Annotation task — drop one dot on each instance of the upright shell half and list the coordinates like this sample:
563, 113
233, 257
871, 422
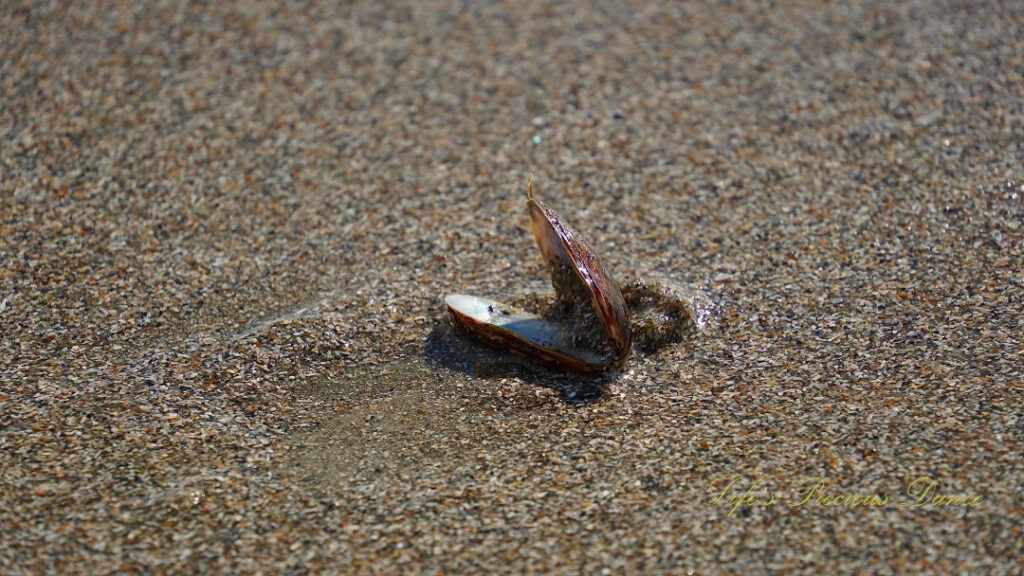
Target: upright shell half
588, 329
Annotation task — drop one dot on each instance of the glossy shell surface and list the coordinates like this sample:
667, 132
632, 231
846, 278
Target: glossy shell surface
591, 333
573, 251
526, 334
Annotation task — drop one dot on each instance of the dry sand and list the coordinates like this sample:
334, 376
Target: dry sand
226, 230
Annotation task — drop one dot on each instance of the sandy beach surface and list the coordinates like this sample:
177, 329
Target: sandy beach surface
226, 232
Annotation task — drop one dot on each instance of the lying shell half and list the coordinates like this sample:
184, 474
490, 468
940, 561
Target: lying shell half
588, 329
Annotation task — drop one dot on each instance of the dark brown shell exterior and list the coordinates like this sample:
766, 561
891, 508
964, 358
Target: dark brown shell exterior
605, 292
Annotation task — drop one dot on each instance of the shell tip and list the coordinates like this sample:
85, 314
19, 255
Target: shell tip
529, 188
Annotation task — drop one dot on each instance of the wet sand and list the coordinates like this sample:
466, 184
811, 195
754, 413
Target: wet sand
226, 233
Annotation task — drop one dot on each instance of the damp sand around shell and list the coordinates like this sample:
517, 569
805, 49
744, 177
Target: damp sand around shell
401, 414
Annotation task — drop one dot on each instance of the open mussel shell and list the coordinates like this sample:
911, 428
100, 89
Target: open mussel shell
587, 331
